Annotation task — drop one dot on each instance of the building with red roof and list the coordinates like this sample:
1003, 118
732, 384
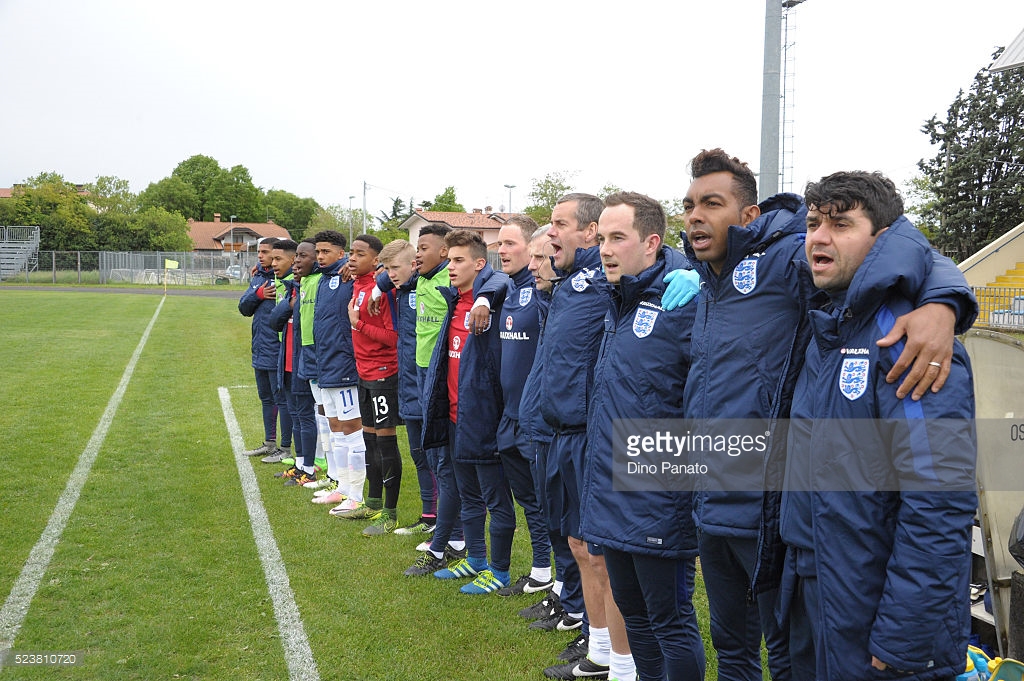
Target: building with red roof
483, 222
219, 236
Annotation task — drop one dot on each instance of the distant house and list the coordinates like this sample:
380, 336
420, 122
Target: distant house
219, 236
483, 222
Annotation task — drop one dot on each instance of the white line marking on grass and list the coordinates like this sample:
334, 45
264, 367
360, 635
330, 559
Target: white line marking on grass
297, 653
12, 615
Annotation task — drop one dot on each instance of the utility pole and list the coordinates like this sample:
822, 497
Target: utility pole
771, 97
350, 220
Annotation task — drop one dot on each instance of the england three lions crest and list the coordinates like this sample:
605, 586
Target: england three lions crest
643, 322
853, 378
581, 280
744, 277
525, 295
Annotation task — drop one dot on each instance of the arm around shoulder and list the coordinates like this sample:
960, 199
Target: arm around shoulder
947, 284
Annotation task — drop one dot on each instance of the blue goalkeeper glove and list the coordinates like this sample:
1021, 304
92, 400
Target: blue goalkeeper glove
683, 285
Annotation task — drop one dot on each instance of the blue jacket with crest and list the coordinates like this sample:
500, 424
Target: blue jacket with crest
570, 340
640, 374
519, 329
265, 343
880, 491
532, 426
749, 340
332, 331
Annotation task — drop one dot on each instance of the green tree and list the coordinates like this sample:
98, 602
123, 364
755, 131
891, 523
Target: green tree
289, 211
397, 211
676, 224
63, 215
977, 178
922, 205
545, 193
232, 192
161, 230
114, 232
109, 193
332, 217
339, 219
389, 234
112, 203
446, 201
174, 195
199, 171
400, 212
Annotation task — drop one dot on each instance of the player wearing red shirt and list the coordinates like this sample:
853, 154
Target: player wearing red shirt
458, 331
375, 343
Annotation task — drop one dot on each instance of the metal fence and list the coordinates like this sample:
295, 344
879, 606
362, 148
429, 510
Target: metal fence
106, 267
1000, 308
19, 233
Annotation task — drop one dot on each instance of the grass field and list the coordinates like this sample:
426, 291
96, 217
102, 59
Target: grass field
157, 574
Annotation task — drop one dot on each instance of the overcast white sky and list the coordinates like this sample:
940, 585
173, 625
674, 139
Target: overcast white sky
317, 97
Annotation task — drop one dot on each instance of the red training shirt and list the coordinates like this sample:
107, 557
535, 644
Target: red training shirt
458, 332
374, 339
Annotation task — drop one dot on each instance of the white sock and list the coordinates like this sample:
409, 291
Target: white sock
337, 461
540, 574
323, 428
557, 588
307, 469
621, 667
356, 464
457, 545
599, 646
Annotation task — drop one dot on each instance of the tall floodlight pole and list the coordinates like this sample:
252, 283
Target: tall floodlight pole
510, 187
771, 97
363, 216
350, 220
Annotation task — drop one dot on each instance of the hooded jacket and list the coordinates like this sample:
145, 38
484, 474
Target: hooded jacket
880, 491
519, 330
332, 331
570, 341
480, 403
640, 374
265, 343
532, 426
750, 335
